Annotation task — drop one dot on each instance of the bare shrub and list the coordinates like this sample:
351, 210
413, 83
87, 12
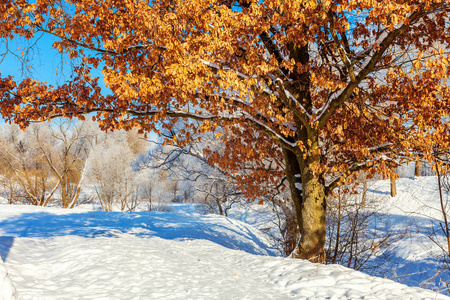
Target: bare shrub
352, 225
441, 236
287, 225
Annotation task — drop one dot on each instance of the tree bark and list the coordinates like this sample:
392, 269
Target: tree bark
293, 176
338, 229
365, 189
64, 192
417, 168
309, 199
312, 240
393, 186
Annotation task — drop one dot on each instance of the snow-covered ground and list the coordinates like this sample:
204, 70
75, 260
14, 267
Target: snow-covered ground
51, 253
7, 289
412, 218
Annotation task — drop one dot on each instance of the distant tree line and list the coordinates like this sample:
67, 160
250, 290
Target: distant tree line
59, 162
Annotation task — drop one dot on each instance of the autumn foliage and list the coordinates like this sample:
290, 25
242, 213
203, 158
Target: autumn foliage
307, 91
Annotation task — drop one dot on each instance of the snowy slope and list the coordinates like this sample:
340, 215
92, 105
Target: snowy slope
415, 197
413, 217
77, 254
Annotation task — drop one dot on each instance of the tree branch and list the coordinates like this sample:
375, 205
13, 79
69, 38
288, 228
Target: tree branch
368, 66
275, 136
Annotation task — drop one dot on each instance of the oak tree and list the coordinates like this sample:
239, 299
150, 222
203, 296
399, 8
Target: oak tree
324, 88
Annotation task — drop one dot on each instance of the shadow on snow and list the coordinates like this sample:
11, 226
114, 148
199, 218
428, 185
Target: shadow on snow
167, 225
410, 255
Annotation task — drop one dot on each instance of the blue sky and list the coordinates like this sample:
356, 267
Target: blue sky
43, 60
45, 63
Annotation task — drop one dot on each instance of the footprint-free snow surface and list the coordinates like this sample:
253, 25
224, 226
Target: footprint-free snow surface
51, 253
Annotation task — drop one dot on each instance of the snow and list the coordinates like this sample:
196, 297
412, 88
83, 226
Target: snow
7, 289
84, 253
413, 218
416, 196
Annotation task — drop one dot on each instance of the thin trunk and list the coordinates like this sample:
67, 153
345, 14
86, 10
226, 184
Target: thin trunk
444, 212
78, 187
51, 194
150, 199
417, 168
75, 197
393, 186
355, 261
219, 205
338, 231
351, 250
11, 191
364, 194
64, 192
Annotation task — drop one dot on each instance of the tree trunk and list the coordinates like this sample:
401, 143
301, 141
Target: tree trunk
338, 229
312, 241
310, 202
393, 185
365, 189
293, 174
417, 168
64, 193
219, 205
311, 209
